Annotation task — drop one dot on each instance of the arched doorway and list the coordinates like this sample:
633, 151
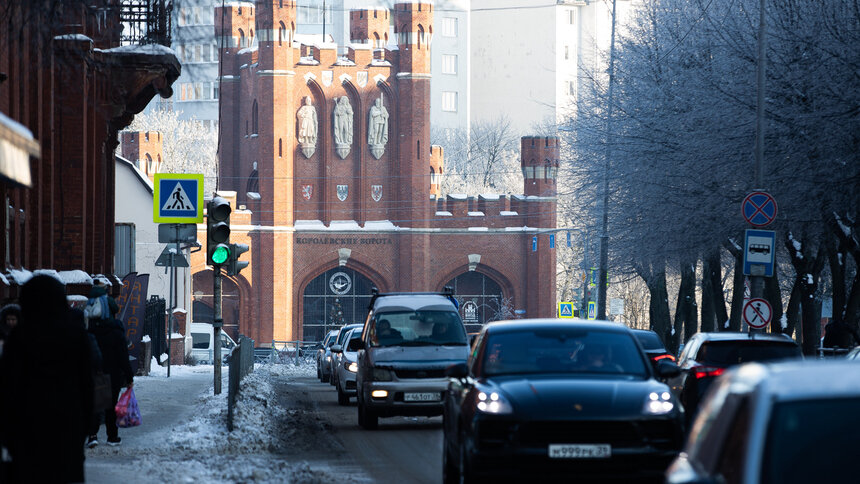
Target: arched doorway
338, 296
481, 300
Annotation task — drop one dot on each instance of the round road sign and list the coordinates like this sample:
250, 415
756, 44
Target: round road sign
757, 313
759, 209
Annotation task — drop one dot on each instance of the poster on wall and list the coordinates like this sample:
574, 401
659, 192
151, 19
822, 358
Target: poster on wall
132, 308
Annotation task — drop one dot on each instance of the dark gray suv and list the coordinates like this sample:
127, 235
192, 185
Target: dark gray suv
408, 341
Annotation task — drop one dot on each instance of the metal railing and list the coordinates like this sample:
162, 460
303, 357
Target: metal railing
288, 352
241, 364
146, 21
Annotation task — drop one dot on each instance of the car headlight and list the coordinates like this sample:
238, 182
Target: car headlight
381, 374
353, 367
658, 403
493, 403
328, 358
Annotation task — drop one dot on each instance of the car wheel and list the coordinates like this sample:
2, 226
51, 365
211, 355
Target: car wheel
450, 471
342, 398
319, 372
367, 418
325, 377
464, 466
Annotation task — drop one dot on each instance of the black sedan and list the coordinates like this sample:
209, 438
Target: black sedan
560, 398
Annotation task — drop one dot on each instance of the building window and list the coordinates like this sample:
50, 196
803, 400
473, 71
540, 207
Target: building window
124, 244
198, 90
449, 26
449, 101
571, 88
449, 64
571, 17
566, 52
254, 118
215, 90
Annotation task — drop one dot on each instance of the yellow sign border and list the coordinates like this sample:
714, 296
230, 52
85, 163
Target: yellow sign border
156, 198
572, 310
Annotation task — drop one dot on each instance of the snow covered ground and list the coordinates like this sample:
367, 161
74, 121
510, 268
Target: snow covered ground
184, 437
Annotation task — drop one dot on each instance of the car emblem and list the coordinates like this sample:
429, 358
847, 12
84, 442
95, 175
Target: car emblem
342, 192
376, 192
307, 191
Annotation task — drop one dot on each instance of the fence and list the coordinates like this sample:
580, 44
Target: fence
284, 352
154, 325
241, 364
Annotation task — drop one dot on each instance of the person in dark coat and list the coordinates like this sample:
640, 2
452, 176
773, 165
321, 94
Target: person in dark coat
46, 388
839, 334
110, 336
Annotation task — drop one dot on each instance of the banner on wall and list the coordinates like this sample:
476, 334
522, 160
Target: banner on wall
132, 308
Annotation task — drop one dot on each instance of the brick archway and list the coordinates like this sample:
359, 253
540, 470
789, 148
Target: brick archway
337, 296
481, 297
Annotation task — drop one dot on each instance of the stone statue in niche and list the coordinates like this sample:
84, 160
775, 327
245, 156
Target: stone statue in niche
342, 126
308, 127
377, 128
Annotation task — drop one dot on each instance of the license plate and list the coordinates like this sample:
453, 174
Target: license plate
580, 451
421, 397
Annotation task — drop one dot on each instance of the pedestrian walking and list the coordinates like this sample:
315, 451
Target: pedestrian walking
110, 337
46, 388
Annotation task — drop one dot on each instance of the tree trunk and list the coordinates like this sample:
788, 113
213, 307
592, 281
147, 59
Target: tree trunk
716, 265
793, 311
685, 311
658, 307
836, 257
737, 295
807, 266
707, 309
774, 296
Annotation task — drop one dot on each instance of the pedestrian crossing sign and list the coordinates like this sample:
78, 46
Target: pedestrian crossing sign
592, 310
565, 310
178, 198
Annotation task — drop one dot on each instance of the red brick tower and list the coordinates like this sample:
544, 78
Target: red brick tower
437, 161
413, 25
369, 26
540, 159
143, 149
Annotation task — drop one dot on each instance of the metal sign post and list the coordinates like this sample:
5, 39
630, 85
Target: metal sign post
216, 326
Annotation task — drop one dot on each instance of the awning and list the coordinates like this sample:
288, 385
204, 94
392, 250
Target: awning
16, 147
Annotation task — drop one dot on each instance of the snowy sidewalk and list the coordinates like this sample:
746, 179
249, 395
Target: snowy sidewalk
184, 439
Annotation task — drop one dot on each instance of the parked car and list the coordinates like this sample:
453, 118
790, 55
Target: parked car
561, 398
782, 423
407, 342
347, 366
202, 343
653, 346
336, 350
323, 356
707, 355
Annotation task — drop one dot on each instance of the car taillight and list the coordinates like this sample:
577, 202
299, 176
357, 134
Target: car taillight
655, 359
706, 371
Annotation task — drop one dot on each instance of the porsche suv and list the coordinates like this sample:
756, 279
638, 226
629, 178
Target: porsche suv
560, 398
408, 341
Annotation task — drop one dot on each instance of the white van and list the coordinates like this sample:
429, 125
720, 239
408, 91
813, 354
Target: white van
202, 349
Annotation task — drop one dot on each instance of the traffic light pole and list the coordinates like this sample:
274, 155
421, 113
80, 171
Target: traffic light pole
216, 326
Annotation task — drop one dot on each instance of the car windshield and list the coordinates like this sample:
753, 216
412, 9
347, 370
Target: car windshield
812, 441
329, 339
417, 328
727, 353
562, 351
342, 336
649, 340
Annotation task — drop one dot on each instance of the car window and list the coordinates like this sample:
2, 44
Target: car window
200, 340
562, 351
727, 353
733, 452
417, 328
812, 441
649, 340
689, 349
343, 332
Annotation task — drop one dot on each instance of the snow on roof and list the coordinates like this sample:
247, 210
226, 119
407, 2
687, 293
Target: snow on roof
379, 225
180, 310
76, 298
140, 175
518, 197
3, 278
343, 61
308, 61
316, 40
380, 62
357, 46
309, 225
105, 280
478, 229
20, 276
475, 214
253, 195
490, 196
507, 213
457, 196
146, 49
75, 277
344, 225
73, 37
239, 3
443, 213
48, 272
15, 126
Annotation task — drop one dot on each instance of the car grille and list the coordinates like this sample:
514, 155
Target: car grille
417, 374
661, 434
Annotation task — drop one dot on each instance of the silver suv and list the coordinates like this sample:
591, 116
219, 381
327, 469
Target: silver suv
408, 341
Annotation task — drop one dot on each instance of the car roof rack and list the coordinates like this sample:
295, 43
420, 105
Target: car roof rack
447, 292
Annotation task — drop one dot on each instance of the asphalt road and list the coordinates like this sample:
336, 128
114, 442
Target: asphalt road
402, 450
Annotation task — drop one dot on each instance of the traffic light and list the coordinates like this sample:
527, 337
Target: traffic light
235, 265
217, 232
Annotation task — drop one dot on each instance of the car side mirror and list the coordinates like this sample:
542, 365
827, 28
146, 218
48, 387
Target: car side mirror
355, 345
336, 349
457, 370
667, 369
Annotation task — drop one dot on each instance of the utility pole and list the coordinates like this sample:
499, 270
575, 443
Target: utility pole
216, 329
757, 282
604, 234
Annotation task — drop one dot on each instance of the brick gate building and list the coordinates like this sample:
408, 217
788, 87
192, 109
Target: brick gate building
335, 185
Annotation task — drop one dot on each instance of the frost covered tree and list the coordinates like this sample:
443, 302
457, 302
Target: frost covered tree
188, 146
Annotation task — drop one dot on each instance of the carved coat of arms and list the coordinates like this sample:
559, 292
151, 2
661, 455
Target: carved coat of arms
376, 192
342, 192
307, 191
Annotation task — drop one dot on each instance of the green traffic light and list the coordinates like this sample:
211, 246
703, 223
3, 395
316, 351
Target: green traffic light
220, 254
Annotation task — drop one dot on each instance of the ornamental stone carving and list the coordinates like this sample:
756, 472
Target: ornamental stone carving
377, 128
342, 127
308, 127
